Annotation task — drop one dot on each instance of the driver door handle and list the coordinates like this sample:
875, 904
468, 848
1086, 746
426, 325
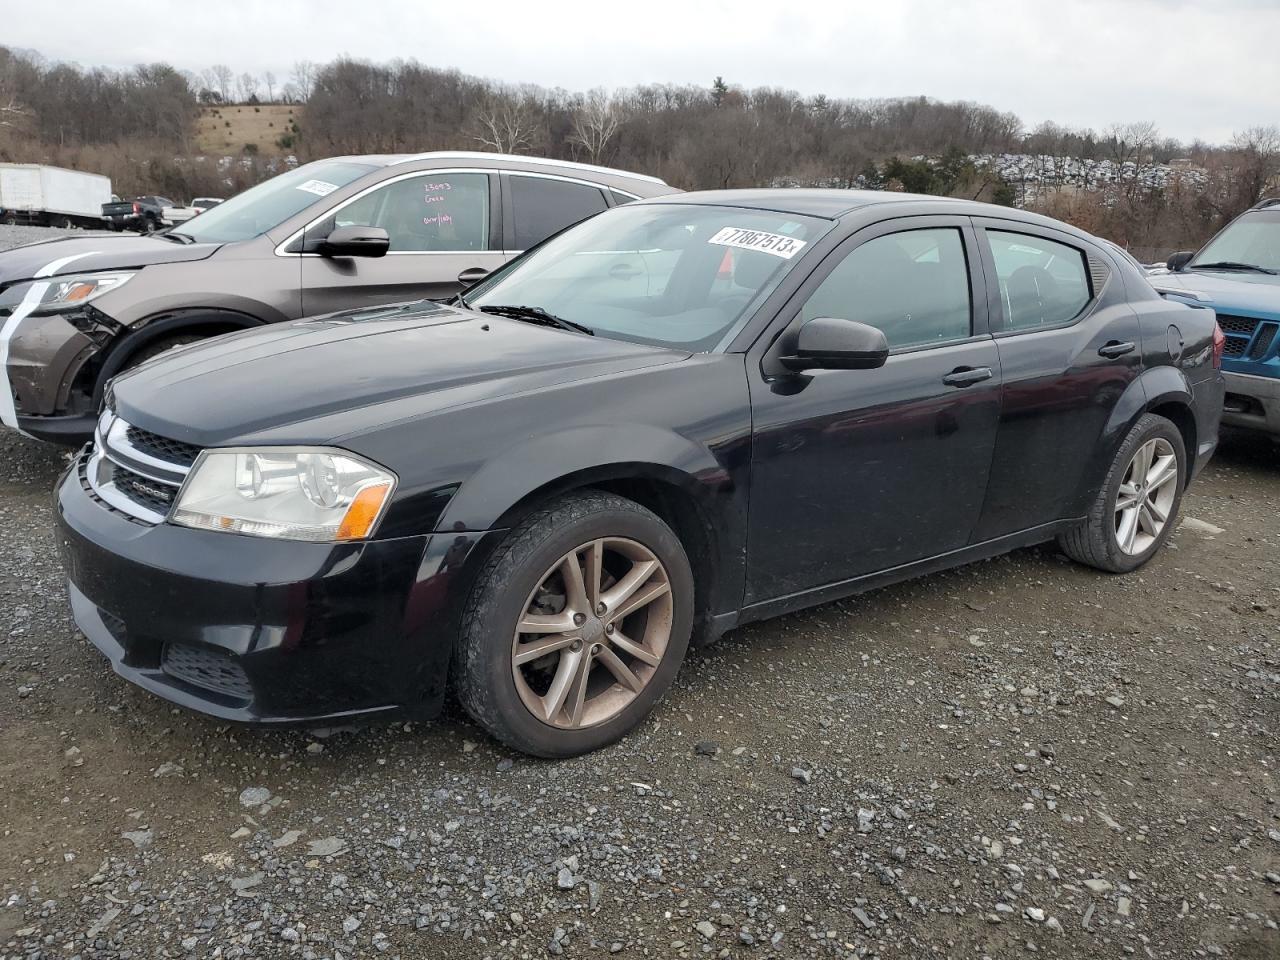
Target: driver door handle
472, 275
967, 376
1115, 348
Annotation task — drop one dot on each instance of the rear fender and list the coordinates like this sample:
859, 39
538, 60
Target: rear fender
1154, 387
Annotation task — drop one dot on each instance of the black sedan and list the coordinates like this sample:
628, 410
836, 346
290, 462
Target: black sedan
683, 415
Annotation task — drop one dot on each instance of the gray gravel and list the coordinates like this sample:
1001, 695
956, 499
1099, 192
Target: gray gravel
1018, 757
19, 236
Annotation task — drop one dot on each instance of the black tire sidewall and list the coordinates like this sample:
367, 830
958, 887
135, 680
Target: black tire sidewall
506, 591
1150, 427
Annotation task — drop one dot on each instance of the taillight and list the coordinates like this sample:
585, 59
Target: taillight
1219, 342
136, 208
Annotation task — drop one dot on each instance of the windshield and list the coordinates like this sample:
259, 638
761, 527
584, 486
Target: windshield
667, 274
1253, 239
271, 203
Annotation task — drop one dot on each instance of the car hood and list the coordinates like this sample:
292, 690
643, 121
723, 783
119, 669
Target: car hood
1255, 294
327, 378
98, 252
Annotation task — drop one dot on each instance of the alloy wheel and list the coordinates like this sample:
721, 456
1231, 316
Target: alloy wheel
1145, 499
593, 633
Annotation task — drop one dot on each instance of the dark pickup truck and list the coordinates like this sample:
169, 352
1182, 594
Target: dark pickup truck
144, 214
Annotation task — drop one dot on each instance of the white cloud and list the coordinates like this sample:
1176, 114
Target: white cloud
1196, 69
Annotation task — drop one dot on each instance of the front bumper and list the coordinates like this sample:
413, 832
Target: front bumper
1252, 403
262, 631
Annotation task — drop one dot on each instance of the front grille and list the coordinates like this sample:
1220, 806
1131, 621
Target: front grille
1263, 341
162, 448
1241, 326
150, 494
207, 669
1234, 347
136, 472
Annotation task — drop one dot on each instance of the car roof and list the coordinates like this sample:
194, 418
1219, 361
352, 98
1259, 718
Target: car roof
501, 160
832, 204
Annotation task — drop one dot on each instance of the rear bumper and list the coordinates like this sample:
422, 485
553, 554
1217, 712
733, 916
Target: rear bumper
1252, 403
261, 631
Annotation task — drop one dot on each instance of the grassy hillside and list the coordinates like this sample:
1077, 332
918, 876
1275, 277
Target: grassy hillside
229, 128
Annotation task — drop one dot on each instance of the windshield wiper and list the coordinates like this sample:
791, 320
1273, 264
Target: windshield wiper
515, 311
1232, 265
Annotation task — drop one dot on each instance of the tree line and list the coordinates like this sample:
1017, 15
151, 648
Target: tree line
138, 125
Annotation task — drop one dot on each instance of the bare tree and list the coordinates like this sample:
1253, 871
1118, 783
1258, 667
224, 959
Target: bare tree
246, 86
1129, 142
507, 125
594, 124
304, 78
269, 79
221, 76
11, 112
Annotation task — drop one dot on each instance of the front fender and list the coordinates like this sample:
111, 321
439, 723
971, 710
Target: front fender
615, 450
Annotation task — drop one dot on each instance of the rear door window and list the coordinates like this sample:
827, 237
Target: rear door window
541, 206
1043, 283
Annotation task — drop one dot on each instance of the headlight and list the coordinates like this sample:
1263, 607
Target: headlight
67, 293
290, 494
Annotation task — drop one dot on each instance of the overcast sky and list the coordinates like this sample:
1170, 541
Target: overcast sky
1198, 68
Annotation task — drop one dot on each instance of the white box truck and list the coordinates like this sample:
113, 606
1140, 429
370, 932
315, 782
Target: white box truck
34, 194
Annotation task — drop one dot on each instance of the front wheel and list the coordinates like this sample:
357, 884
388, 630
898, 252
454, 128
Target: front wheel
576, 626
1135, 511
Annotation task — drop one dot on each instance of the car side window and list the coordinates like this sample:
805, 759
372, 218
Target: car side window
1043, 283
620, 198
431, 213
541, 207
914, 286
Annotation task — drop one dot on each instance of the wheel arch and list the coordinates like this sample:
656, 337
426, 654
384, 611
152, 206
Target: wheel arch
680, 481
213, 321
1164, 390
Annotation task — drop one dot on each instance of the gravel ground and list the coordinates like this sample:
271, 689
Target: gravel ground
18, 236
1021, 756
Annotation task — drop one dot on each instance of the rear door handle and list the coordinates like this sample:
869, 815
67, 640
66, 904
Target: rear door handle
967, 376
1114, 348
472, 275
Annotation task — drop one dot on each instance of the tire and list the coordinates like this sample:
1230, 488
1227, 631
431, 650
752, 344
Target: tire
1097, 541
148, 225
500, 694
163, 345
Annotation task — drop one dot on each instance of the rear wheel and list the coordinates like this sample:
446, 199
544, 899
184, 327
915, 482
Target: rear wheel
148, 225
576, 626
1137, 507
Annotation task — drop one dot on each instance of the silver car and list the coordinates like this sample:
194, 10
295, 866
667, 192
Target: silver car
330, 235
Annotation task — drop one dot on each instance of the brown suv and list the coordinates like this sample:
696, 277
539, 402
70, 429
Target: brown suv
330, 235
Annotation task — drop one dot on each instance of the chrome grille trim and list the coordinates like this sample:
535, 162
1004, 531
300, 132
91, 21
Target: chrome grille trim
111, 495
113, 454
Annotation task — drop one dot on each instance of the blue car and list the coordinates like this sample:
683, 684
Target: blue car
1237, 273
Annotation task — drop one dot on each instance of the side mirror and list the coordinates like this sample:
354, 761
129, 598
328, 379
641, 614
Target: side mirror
356, 241
1179, 260
829, 343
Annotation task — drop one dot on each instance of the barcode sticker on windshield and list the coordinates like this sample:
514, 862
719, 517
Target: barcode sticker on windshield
774, 243
320, 188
